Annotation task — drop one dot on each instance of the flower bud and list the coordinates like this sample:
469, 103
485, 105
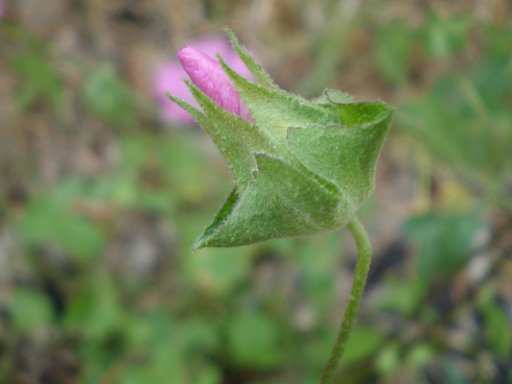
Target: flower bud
169, 75
300, 166
207, 74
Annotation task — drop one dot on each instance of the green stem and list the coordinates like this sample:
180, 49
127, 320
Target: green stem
362, 267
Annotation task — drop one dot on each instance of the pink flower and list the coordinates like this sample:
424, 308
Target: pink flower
198, 61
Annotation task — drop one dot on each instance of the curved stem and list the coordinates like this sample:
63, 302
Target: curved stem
364, 252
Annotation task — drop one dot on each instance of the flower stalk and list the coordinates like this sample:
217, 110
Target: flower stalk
364, 252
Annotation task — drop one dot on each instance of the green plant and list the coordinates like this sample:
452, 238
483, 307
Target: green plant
300, 167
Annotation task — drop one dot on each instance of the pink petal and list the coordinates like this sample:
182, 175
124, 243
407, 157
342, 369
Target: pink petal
169, 77
207, 74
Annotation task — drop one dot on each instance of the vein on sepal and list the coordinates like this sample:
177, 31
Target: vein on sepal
332, 96
364, 114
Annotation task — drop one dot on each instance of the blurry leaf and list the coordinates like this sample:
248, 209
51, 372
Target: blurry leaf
498, 329
464, 124
393, 52
497, 39
40, 81
185, 162
445, 35
490, 79
329, 47
444, 240
426, 120
109, 98
318, 277
48, 221
464, 119
199, 335
401, 296
364, 341
420, 355
158, 337
208, 375
161, 173
176, 352
219, 270
388, 360
254, 341
452, 374
152, 328
96, 312
30, 309
278, 381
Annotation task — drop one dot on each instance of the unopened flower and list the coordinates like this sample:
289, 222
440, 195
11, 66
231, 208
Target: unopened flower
300, 167
170, 75
207, 74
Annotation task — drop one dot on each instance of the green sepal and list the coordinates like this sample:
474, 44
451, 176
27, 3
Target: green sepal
261, 76
281, 201
345, 154
194, 112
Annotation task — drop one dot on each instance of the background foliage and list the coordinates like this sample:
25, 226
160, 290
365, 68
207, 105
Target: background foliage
100, 202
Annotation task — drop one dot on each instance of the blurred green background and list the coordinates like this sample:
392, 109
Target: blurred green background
100, 201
